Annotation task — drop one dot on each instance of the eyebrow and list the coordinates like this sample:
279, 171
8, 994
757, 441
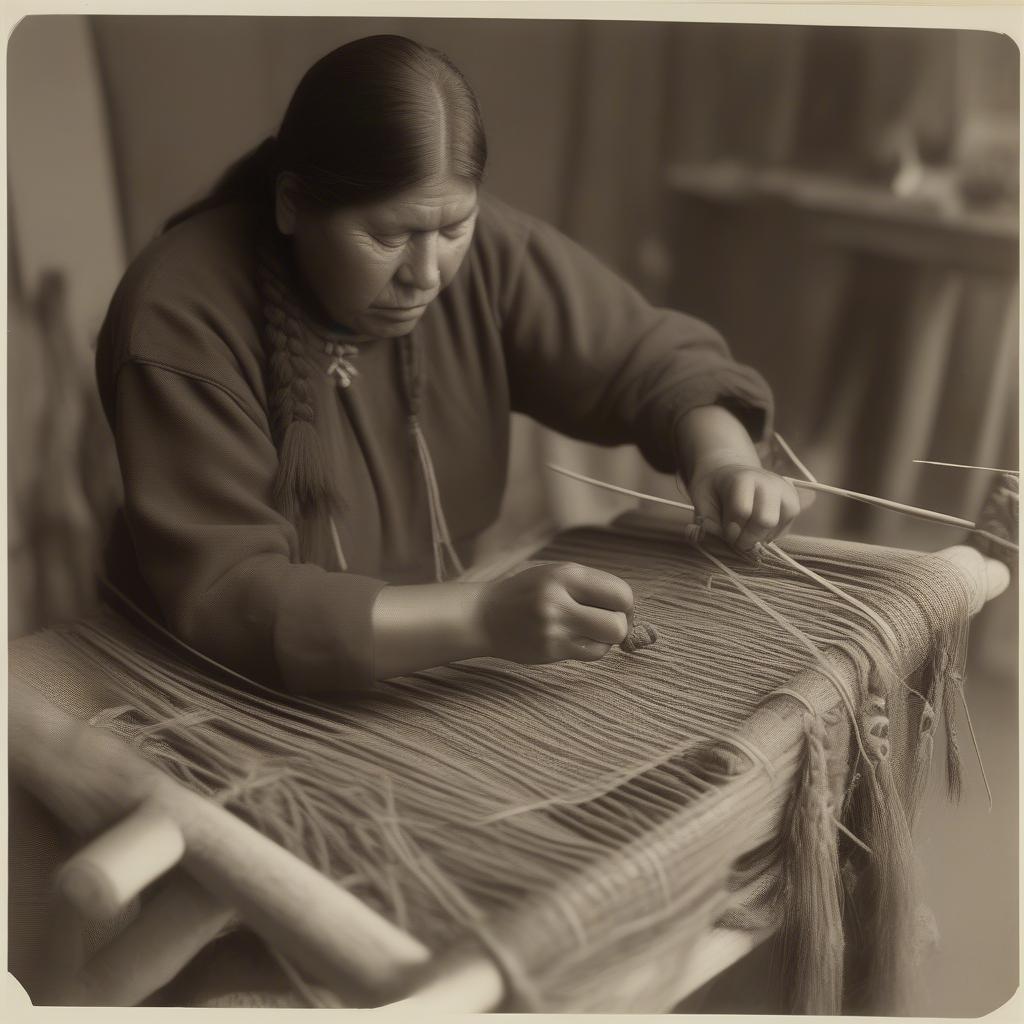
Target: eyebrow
388, 223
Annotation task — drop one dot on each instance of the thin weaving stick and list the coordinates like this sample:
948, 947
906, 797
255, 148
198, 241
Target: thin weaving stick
621, 490
868, 499
908, 510
776, 550
771, 546
791, 455
894, 506
960, 465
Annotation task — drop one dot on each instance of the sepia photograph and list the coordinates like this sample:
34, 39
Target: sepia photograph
512, 514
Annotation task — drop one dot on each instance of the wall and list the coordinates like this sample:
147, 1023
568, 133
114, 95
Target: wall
65, 255
175, 131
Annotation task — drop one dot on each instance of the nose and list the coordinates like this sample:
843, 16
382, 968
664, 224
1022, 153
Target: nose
421, 269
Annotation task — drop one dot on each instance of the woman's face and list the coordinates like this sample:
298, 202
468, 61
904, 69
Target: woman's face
375, 268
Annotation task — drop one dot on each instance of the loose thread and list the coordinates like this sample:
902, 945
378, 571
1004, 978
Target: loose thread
338, 550
957, 682
793, 631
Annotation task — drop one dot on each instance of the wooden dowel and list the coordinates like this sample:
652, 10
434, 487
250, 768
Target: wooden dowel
112, 870
462, 980
894, 506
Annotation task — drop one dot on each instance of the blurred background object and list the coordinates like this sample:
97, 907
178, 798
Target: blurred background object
841, 202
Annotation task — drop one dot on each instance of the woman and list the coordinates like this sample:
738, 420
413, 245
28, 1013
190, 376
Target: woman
310, 374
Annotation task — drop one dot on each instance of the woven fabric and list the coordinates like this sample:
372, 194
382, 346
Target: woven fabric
589, 823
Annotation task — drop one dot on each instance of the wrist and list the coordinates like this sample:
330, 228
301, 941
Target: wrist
424, 625
471, 619
710, 437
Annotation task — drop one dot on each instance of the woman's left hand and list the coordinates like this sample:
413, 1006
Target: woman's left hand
748, 505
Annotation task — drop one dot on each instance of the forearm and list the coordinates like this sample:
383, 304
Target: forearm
422, 626
710, 435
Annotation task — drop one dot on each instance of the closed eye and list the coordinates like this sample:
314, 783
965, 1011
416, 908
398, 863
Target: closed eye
457, 230
460, 227
391, 241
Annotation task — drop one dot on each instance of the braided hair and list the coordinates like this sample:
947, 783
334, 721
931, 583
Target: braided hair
367, 121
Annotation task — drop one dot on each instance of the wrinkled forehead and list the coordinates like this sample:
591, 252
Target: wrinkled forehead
428, 206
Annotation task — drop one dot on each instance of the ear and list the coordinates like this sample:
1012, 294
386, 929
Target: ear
286, 202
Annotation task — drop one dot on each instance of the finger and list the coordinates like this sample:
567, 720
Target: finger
737, 508
582, 649
597, 589
789, 509
763, 521
598, 624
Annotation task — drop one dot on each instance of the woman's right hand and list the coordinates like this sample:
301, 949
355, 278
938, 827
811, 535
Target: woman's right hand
553, 612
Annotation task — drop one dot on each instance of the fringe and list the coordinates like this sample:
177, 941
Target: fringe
924, 748
886, 897
812, 933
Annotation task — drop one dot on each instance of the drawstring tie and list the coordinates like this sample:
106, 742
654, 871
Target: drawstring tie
447, 564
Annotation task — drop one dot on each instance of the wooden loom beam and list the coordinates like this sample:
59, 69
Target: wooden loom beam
92, 781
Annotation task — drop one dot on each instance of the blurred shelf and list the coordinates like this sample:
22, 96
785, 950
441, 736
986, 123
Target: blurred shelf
857, 215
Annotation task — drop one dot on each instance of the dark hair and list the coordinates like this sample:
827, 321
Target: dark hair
364, 123
368, 120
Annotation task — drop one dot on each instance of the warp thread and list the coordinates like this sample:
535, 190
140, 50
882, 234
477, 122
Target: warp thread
605, 763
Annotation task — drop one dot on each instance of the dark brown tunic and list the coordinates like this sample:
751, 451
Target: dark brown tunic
531, 323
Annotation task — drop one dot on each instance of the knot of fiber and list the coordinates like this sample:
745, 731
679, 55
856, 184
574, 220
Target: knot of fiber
756, 555
927, 723
643, 634
817, 760
876, 728
693, 533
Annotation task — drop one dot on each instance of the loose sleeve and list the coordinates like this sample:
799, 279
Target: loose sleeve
220, 561
588, 356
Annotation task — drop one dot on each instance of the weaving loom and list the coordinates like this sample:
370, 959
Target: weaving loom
556, 838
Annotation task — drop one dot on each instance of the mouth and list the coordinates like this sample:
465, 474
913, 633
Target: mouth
401, 310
